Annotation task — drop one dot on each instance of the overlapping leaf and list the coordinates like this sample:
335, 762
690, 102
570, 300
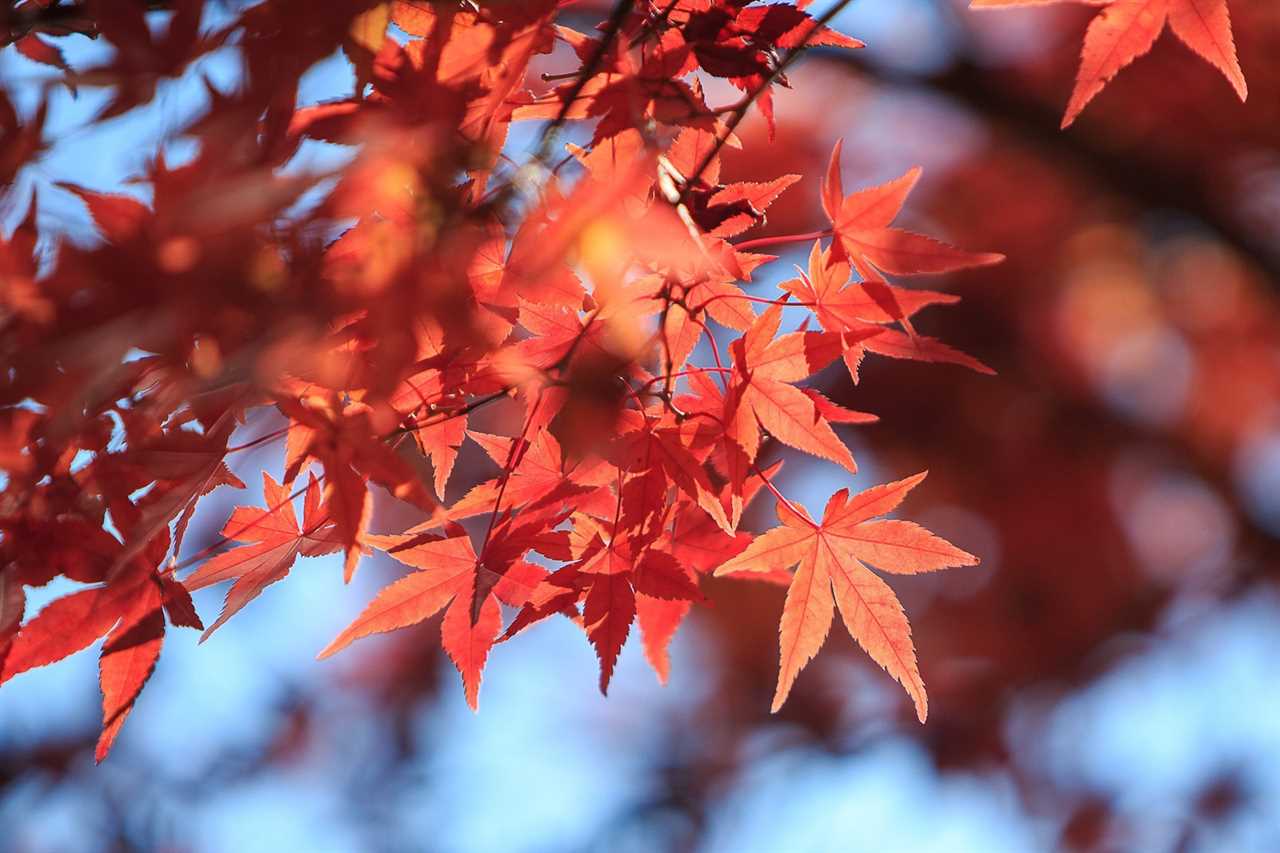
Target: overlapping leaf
276, 542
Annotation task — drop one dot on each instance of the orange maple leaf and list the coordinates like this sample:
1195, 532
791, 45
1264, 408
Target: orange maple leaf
833, 573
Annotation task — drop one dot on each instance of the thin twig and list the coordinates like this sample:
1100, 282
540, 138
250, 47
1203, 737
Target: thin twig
611, 30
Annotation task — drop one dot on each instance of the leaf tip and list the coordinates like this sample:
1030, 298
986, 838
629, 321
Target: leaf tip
330, 650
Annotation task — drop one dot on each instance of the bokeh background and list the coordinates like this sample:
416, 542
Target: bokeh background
1107, 679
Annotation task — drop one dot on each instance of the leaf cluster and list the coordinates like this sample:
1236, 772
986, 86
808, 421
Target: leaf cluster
597, 311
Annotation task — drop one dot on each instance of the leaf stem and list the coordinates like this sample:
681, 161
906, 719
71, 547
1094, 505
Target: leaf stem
761, 242
783, 498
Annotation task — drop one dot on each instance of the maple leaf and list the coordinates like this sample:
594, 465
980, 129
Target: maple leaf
128, 658
861, 221
443, 564
131, 608
538, 477
71, 623
609, 606
37, 49
178, 606
695, 544
844, 305
608, 609
450, 574
348, 441
440, 442
659, 620
364, 39
141, 58
762, 396
467, 639
77, 548
118, 217
650, 88
440, 432
741, 44
662, 581
719, 210
660, 453
182, 465
277, 542
840, 302
1125, 30
612, 567
832, 558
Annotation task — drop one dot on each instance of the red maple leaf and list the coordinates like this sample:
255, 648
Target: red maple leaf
450, 573
844, 305
277, 542
861, 221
